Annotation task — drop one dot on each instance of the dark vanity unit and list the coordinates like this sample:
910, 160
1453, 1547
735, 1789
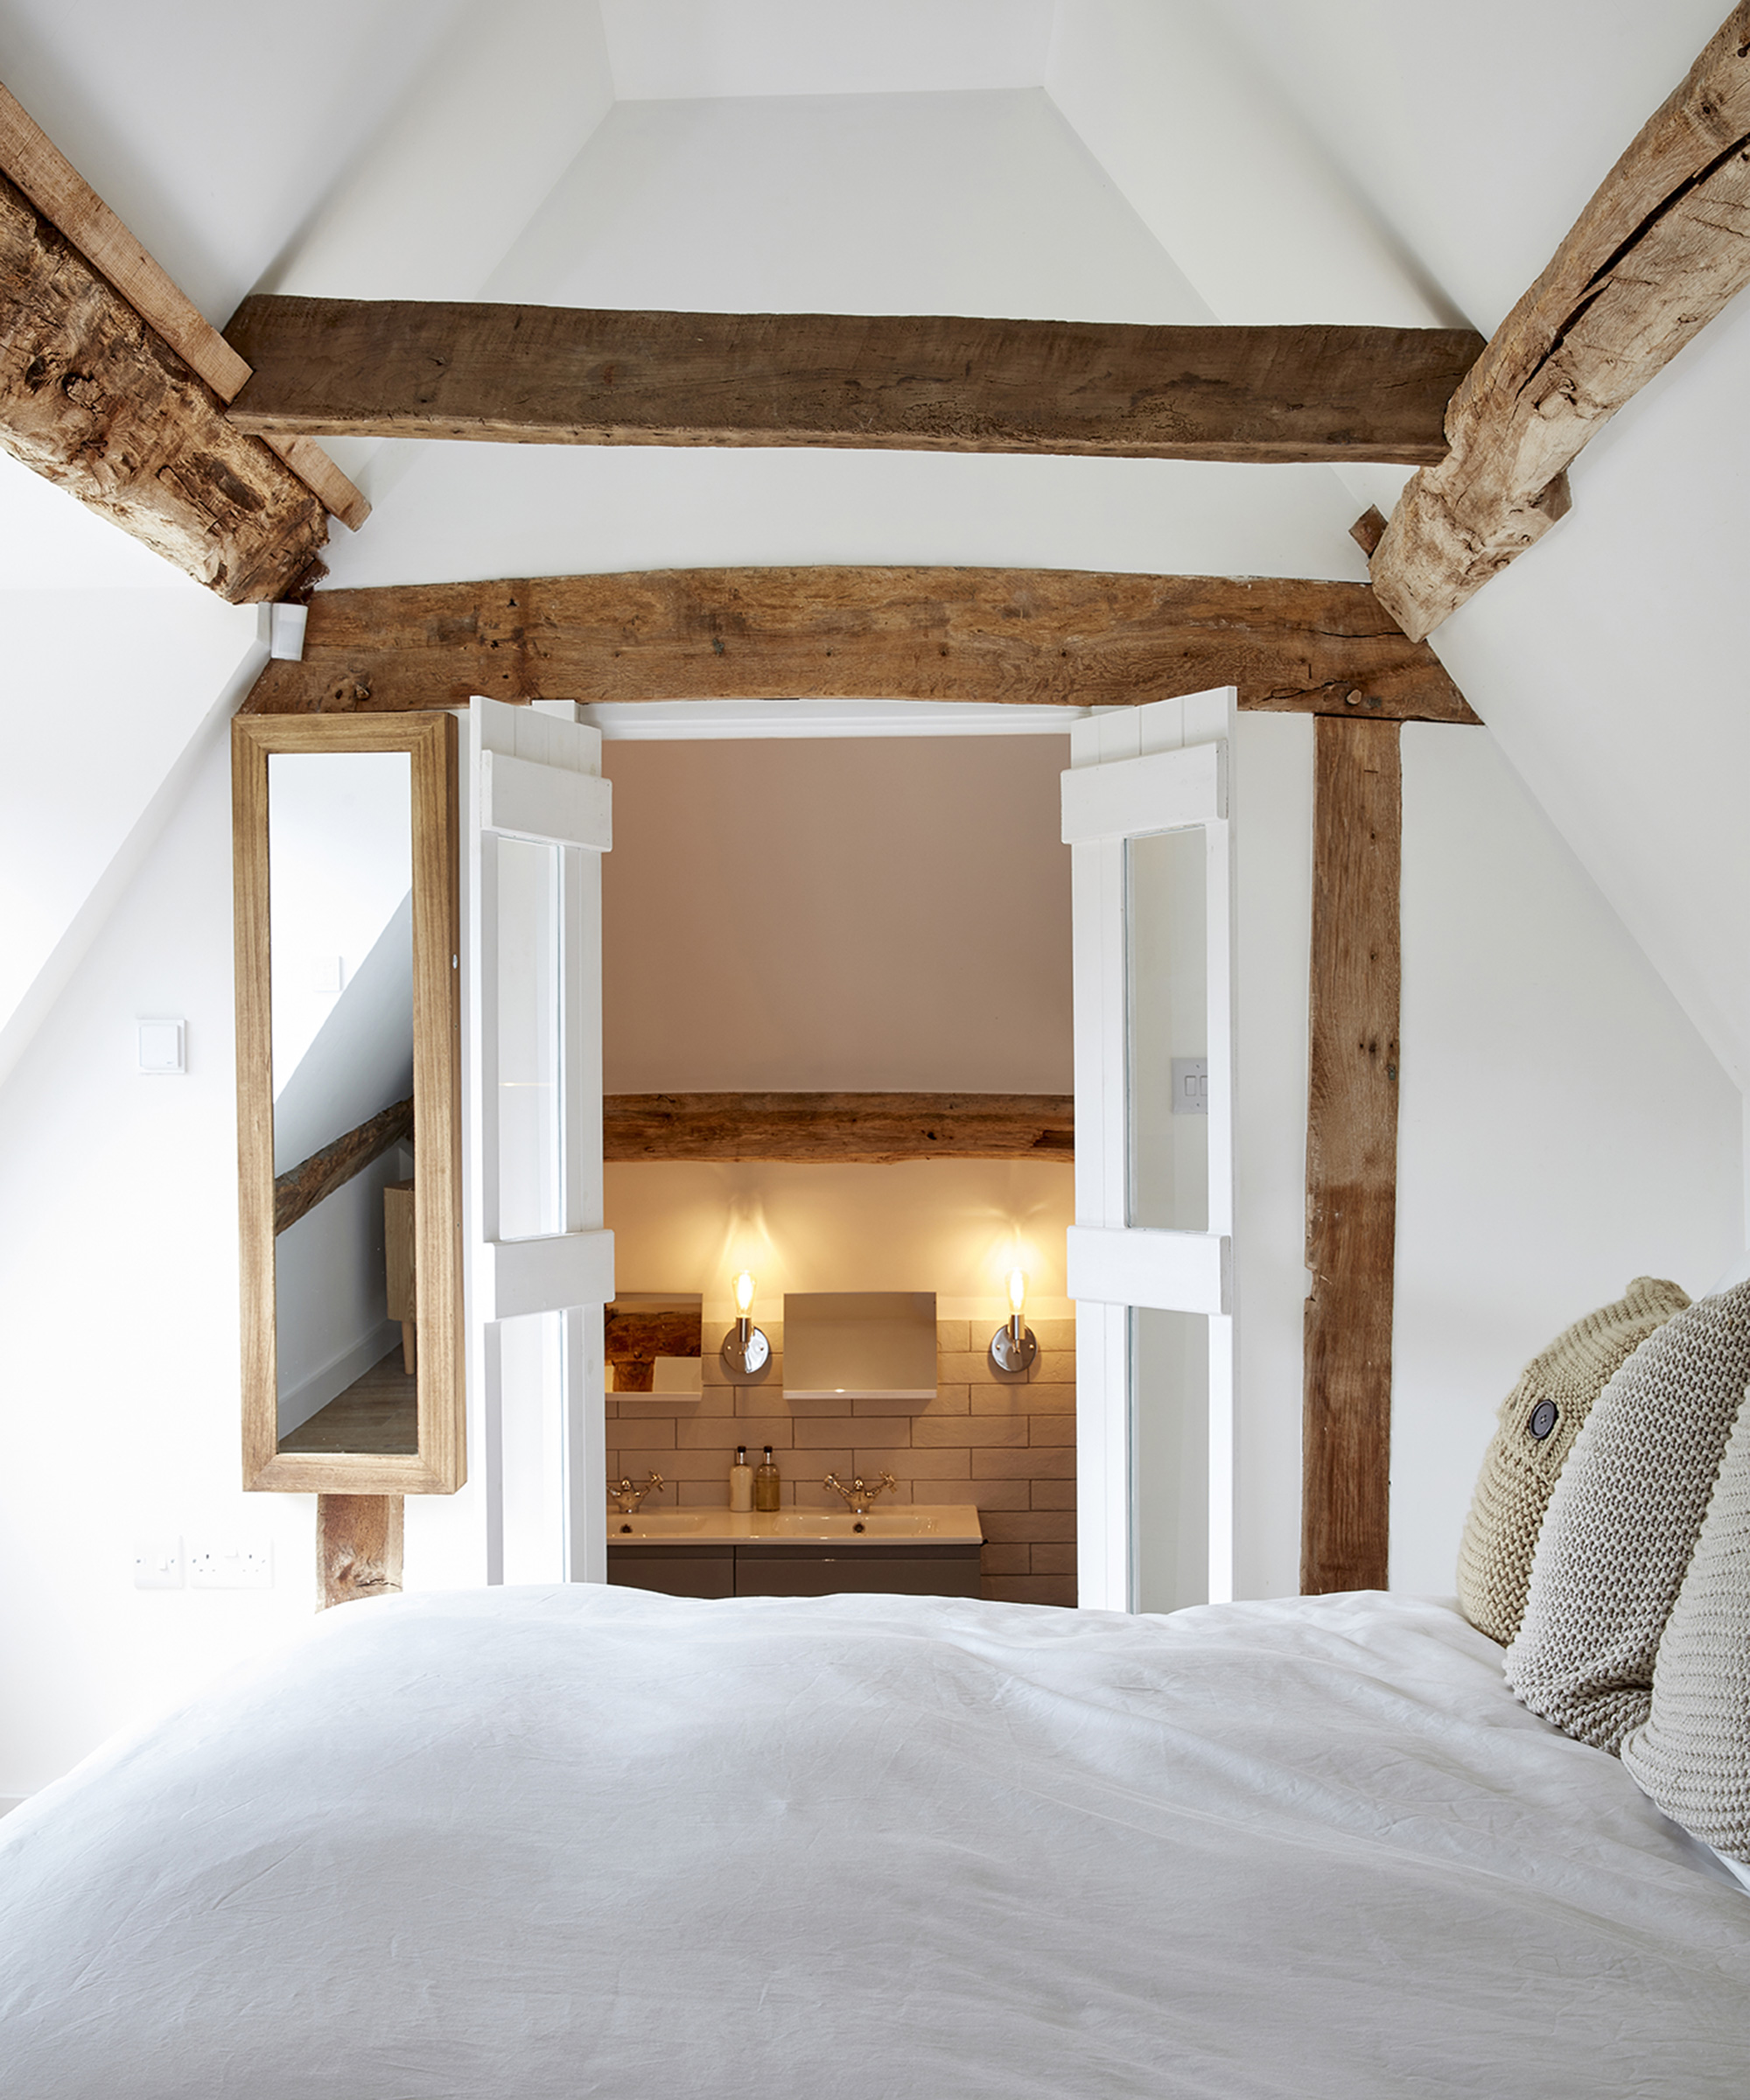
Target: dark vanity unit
930, 1552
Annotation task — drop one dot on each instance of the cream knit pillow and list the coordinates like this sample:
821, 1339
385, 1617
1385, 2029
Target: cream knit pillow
1536, 1426
1692, 1755
1624, 1520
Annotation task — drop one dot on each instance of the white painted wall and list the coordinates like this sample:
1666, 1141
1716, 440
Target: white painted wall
101, 692
837, 915
119, 1348
1562, 1127
955, 1227
119, 1408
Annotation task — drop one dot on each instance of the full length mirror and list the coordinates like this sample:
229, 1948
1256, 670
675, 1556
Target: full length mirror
347, 1027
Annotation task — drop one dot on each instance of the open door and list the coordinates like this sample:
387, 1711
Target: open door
1151, 1253
541, 1266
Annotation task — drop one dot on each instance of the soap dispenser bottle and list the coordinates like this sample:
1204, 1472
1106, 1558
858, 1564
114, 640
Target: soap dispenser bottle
765, 1484
741, 1482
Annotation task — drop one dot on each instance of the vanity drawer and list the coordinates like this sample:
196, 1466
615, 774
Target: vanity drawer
676, 1570
904, 1571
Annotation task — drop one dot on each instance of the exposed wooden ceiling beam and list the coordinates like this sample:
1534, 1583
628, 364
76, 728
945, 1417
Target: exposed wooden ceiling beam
96, 401
839, 1129
1660, 249
1055, 637
555, 376
29, 158
300, 1188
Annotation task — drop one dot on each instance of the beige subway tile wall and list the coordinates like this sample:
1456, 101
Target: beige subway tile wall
1006, 1445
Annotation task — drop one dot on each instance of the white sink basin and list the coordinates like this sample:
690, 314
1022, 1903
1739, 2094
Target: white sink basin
942, 1524
840, 1523
661, 1523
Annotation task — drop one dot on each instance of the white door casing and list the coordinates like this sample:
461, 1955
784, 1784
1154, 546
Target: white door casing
1137, 772
540, 1265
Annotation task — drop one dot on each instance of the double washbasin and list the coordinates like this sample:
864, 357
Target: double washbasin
946, 1524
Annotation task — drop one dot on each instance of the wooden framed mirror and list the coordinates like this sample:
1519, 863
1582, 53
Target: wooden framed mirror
349, 1103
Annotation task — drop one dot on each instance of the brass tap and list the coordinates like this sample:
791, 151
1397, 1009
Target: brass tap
861, 1493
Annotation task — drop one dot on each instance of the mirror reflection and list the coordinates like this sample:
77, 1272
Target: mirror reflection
340, 915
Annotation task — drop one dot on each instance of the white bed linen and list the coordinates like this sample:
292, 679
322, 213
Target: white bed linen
550, 1842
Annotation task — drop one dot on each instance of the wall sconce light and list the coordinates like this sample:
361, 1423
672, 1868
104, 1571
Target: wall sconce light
1014, 1346
746, 1350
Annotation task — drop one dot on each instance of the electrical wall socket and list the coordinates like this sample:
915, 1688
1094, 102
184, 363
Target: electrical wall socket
158, 1563
230, 1567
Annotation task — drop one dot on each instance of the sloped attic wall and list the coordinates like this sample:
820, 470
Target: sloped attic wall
1363, 161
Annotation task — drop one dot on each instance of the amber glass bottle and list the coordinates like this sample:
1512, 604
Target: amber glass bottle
765, 1483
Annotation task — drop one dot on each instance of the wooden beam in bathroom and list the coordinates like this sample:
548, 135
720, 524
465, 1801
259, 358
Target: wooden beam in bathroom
837, 1129
904, 383
637, 1335
1024, 637
1351, 1157
358, 1546
300, 1189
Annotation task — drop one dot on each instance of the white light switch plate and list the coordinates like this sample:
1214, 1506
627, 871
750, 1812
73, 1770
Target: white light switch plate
230, 1567
158, 1563
163, 1046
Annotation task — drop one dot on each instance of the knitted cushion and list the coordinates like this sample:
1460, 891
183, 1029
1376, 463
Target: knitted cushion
1624, 1520
1692, 1754
1535, 1430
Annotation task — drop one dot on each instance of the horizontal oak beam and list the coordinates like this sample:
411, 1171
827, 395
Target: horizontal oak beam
30, 158
1026, 636
300, 1189
829, 1128
93, 401
558, 375
1660, 249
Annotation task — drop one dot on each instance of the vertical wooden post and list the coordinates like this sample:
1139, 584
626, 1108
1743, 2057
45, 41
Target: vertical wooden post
358, 1546
1351, 1156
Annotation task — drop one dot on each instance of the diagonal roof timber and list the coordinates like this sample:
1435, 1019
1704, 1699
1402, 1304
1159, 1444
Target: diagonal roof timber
1661, 248
29, 158
559, 375
97, 402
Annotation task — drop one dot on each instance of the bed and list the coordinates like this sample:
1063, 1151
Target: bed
582, 1840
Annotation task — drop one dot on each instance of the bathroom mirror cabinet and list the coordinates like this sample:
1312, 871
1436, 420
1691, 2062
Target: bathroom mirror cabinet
348, 1103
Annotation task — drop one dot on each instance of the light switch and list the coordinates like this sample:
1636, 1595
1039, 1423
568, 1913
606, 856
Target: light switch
161, 1045
1191, 1086
158, 1563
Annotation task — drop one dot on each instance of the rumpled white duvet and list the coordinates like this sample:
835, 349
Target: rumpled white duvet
582, 1841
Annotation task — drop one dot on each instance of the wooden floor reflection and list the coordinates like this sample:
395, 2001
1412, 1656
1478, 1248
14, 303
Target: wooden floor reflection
377, 1413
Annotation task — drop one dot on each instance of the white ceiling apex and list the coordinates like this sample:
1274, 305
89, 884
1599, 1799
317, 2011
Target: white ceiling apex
444, 188
691, 50
1195, 134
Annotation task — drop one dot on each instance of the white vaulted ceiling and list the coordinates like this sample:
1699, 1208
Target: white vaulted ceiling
1251, 160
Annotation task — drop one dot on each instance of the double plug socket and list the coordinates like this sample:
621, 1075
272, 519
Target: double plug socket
162, 1564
